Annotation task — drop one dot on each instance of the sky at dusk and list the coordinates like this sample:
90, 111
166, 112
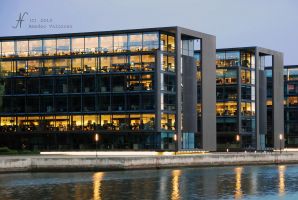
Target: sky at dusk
267, 23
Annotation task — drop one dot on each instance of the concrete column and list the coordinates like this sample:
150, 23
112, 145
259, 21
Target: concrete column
157, 83
189, 103
178, 88
262, 110
278, 100
208, 84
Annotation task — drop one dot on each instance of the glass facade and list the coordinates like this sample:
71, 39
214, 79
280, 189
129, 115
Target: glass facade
93, 84
235, 94
290, 105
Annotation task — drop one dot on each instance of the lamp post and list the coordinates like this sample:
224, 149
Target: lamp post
238, 139
96, 141
280, 141
175, 141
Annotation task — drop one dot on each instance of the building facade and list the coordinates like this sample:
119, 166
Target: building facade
241, 112
290, 105
136, 89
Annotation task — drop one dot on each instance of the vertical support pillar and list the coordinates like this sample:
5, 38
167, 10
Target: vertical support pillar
178, 89
278, 100
157, 84
208, 49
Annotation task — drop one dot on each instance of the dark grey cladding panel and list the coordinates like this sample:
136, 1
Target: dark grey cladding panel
189, 93
262, 108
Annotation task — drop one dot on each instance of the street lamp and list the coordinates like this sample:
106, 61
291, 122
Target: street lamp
238, 139
175, 141
96, 141
280, 140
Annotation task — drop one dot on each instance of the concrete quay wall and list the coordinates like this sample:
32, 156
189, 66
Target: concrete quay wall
88, 163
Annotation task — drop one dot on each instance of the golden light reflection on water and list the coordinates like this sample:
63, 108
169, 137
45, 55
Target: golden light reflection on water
97, 178
238, 189
175, 184
281, 176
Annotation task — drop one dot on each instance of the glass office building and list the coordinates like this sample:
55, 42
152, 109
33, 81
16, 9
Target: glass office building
290, 105
57, 91
241, 97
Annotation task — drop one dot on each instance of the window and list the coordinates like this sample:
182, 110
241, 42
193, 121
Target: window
135, 63
22, 68
63, 46
164, 42
226, 108
49, 66
61, 85
88, 84
88, 103
90, 122
8, 49
292, 74
171, 44
60, 103
248, 108
220, 59
245, 76
293, 101
120, 43
150, 41
135, 42
49, 47
91, 44
7, 68
22, 48
89, 65
118, 102
226, 124
104, 83
226, 76
34, 67
78, 45
119, 64
148, 62
75, 103
76, 122
148, 120
62, 66
133, 102
74, 84
232, 58
35, 47
106, 44
246, 59
167, 121
118, 83
105, 63
77, 66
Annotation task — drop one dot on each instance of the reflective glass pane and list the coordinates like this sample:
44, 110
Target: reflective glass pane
77, 45
22, 48
91, 44
135, 42
35, 47
150, 41
120, 43
63, 46
106, 44
49, 47
8, 49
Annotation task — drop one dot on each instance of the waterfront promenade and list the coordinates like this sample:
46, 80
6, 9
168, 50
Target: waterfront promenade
124, 162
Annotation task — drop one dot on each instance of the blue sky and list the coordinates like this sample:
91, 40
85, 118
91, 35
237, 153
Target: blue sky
267, 23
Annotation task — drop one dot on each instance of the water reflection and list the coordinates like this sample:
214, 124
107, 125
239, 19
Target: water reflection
247, 182
175, 184
238, 190
281, 176
97, 178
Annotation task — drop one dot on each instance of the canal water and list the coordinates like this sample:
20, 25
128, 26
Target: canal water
242, 182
